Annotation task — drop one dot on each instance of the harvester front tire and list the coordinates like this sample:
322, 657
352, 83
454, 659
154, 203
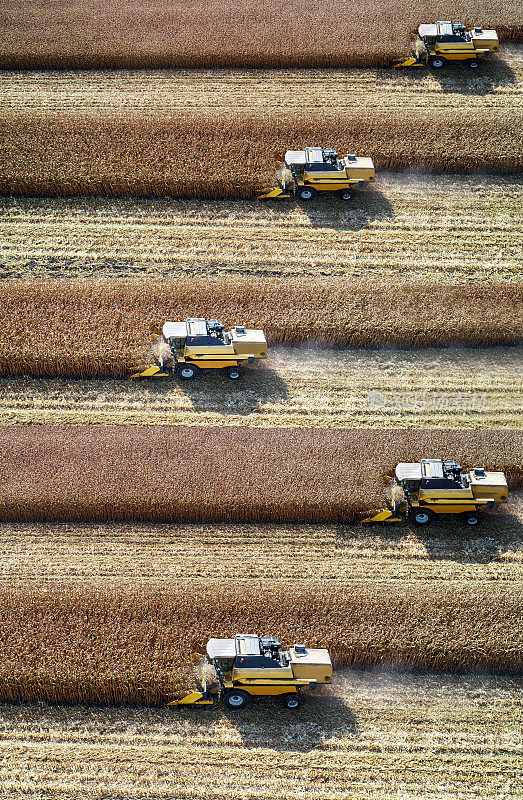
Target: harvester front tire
473, 64
306, 193
345, 195
234, 374
187, 372
235, 699
292, 701
437, 62
423, 516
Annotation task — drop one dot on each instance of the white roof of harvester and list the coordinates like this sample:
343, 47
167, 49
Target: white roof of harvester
408, 472
175, 330
221, 648
247, 644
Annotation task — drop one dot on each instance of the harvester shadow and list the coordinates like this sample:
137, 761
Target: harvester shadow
329, 212
268, 724
452, 540
215, 393
456, 78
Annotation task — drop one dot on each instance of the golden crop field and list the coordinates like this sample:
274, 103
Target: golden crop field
383, 734
226, 34
222, 135
140, 518
106, 328
176, 473
134, 603
446, 228
297, 387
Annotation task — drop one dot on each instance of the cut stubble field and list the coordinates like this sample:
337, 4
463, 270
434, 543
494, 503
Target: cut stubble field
383, 733
221, 135
448, 228
298, 387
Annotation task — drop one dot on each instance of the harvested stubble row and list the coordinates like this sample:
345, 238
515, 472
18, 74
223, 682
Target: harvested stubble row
400, 233
381, 733
129, 645
234, 154
107, 329
192, 33
194, 474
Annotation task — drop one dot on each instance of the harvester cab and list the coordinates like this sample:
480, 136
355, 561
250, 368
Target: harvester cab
319, 171
433, 487
438, 44
187, 347
249, 667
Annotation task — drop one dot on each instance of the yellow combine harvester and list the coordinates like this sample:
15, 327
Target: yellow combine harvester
249, 667
447, 41
317, 171
433, 488
199, 344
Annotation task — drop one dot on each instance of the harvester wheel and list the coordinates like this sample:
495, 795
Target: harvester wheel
187, 372
306, 193
292, 701
437, 62
234, 373
471, 519
235, 698
423, 516
345, 194
473, 64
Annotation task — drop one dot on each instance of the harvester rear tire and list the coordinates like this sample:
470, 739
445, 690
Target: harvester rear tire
471, 519
423, 516
235, 699
345, 195
306, 193
437, 62
234, 374
473, 64
292, 701
187, 372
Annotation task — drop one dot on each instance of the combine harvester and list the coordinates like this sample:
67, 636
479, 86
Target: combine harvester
317, 171
187, 347
433, 488
439, 44
249, 667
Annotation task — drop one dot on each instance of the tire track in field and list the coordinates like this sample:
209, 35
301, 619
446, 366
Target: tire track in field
476, 387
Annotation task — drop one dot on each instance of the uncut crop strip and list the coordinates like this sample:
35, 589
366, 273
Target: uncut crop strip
194, 474
222, 134
399, 231
403, 731
234, 154
225, 33
108, 328
299, 387
128, 644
